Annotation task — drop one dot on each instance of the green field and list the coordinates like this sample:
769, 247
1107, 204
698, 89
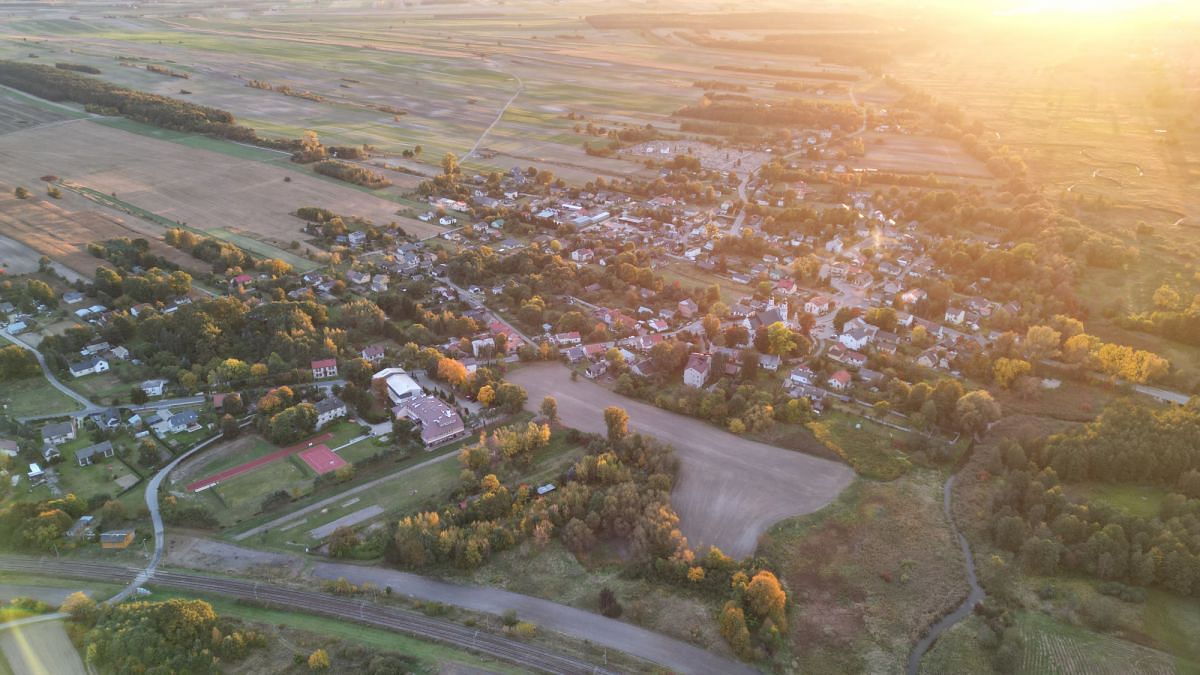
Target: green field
34, 396
1135, 500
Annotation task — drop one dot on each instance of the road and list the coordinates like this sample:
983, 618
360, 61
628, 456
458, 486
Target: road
477, 302
730, 489
674, 654
356, 610
154, 405
50, 377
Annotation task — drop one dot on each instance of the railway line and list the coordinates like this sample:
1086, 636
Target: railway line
360, 611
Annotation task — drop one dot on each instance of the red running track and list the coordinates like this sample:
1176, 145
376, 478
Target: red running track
254, 464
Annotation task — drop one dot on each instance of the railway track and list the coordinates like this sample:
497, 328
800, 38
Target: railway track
360, 611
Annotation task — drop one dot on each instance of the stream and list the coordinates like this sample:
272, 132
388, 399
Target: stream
965, 608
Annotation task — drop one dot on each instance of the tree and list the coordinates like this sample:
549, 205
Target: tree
22, 193
1166, 298
229, 427
780, 341
79, 606
342, 542
453, 372
319, 660
17, 363
449, 164
616, 420
733, 628
550, 409
1007, 371
609, 605
1041, 342
766, 598
975, 410
486, 395
711, 325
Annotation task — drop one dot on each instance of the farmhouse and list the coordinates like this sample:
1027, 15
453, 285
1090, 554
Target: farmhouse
437, 420
324, 368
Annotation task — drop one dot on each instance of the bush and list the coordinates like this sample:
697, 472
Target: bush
609, 605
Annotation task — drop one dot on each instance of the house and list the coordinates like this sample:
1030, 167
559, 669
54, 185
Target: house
154, 388
583, 255
855, 359
184, 421
107, 419
8, 447
801, 375
856, 338
59, 433
929, 359
72, 297
834, 245
437, 421
82, 529
36, 475
568, 339
241, 280
396, 384
839, 381
50, 453
596, 369
818, 305
329, 409
120, 353
356, 238
372, 353
95, 348
696, 372
87, 456
770, 362
324, 368
17, 327
657, 325
88, 366
358, 277
955, 315
119, 539
912, 296
688, 308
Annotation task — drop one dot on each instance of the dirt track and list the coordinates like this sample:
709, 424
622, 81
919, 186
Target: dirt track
730, 489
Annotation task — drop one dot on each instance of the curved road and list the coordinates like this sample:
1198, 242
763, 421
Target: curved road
50, 377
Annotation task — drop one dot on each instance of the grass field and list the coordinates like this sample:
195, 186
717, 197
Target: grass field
689, 276
34, 396
867, 573
1135, 500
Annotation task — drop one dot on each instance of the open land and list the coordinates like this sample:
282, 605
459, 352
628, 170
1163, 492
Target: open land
41, 649
730, 490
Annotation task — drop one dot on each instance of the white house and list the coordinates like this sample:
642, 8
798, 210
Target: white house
154, 388
855, 339
329, 409
696, 372
396, 384
955, 315
88, 366
582, 255
818, 305
324, 368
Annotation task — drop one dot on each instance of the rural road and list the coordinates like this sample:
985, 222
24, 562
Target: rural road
77, 397
674, 654
500, 115
730, 489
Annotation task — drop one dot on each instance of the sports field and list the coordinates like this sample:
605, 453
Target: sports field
322, 460
227, 474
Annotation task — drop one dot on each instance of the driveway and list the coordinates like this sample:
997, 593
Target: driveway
730, 489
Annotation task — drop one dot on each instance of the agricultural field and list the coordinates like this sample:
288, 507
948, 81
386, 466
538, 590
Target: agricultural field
206, 191
917, 154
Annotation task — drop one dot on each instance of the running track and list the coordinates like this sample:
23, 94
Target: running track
254, 464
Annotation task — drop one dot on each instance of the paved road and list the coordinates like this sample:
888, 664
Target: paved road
154, 405
361, 611
76, 396
730, 489
674, 654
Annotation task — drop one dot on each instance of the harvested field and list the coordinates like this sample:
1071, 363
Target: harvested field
62, 229
16, 115
918, 154
203, 189
730, 489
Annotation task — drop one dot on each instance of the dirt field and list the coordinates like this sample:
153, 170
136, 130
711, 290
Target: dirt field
41, 649
206, 554
62, 229
201, 188
730, 489
918, 154
16, 115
